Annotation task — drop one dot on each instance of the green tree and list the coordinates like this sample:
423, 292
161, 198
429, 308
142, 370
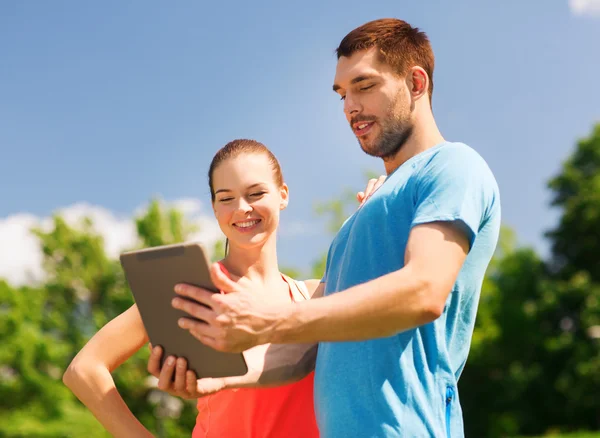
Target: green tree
576, 191
43, 328
504, 357
534, 366
575, 270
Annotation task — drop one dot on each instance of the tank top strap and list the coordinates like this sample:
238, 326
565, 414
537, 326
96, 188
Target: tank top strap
298, 290
303, 289
223, 270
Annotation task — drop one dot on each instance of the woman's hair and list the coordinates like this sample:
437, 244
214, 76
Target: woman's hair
235, 148
242, 146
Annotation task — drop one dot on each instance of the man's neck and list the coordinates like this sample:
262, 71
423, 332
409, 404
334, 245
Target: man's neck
424, 136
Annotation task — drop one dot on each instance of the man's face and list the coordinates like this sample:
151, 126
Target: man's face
377, 103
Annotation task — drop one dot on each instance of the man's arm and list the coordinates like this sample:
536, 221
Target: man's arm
410, 297
268, 365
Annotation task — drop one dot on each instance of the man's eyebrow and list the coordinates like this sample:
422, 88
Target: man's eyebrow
356, 80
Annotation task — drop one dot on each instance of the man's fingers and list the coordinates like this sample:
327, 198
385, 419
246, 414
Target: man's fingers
210, 336
195, 293
154, 361
196, 310
198, 328
166, 374
360, 196
210, 341
180, 378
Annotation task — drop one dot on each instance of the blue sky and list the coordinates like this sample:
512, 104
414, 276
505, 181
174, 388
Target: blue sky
112, 103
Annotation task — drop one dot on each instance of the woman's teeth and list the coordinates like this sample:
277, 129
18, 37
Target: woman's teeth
247, 224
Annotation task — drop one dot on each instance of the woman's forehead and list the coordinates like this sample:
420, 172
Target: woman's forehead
245, 169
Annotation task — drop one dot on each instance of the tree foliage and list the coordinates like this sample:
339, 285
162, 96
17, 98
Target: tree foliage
42, 329
534, 365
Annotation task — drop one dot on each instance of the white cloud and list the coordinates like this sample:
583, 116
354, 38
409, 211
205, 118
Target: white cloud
189, 206
208, 229
299, 228
21, 256
585, 7
118, 232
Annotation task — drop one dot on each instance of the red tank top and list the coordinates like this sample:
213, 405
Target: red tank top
283, 411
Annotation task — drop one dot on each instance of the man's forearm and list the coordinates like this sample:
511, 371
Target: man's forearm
382, 307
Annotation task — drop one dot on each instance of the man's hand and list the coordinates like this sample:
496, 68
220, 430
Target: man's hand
232, 322
372, 186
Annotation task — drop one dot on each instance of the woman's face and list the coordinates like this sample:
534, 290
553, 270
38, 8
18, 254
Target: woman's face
247, 199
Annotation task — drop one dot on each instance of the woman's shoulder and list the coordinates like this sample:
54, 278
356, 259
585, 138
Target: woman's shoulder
312, 285
305, 287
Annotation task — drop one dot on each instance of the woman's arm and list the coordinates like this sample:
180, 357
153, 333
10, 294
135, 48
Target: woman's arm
89, 374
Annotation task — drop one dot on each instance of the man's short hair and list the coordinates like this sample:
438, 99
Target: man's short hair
400, 46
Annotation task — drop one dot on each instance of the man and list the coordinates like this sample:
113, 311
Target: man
394, 314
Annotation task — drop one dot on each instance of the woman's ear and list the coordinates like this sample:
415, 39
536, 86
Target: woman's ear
284, 192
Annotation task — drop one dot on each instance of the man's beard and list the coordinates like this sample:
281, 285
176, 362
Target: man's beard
394, 134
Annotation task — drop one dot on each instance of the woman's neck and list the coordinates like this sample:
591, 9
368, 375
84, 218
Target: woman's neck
256, 264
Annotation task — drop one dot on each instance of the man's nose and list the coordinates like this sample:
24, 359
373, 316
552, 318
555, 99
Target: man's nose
351, 106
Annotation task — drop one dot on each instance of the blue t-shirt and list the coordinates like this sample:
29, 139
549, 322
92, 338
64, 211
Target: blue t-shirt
405, 385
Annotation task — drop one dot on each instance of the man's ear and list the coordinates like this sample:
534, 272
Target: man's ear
418, 82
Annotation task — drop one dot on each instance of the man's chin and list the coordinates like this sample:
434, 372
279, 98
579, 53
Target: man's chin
369, 148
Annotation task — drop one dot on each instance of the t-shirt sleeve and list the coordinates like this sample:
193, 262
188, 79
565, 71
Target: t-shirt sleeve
456, 185
327, 258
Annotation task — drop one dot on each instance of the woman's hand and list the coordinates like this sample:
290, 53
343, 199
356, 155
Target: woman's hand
371, 188
268, 365
174, 377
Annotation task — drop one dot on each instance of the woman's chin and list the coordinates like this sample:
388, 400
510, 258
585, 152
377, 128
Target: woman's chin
250, 242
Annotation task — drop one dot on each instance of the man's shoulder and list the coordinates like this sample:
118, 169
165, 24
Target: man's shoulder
457, 160
456, 153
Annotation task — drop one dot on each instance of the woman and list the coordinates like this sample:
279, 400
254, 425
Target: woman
248, 193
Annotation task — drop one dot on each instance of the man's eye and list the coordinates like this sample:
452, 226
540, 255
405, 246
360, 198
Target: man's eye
342, 97
367, 87
257, 194
225, 199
